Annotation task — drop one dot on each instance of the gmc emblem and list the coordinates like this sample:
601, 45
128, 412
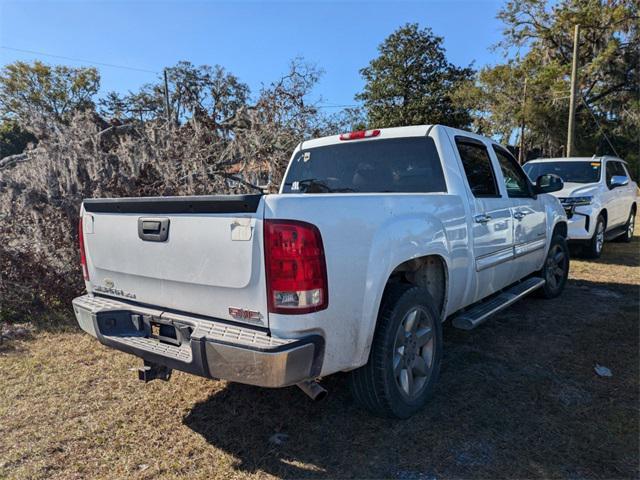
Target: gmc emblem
246, 315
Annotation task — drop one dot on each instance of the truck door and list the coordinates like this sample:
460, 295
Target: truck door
529, 217
628, 192
491, 218
616, 205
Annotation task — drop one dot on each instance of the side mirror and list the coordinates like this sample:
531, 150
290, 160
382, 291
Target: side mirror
548, 183
619, 181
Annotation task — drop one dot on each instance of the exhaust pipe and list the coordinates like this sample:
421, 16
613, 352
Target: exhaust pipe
313, 390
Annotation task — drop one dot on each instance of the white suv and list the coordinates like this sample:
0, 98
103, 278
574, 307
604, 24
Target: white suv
598, 195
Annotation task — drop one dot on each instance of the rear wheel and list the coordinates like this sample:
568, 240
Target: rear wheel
404, 362
594, 248
556, 268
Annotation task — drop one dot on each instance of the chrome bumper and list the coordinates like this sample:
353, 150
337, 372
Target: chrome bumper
202, 346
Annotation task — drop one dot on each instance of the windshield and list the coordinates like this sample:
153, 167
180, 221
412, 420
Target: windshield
568, 171
408, 165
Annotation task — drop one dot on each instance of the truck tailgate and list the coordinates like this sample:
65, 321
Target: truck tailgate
210, 263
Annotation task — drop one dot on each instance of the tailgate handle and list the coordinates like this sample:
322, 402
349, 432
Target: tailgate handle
153, 229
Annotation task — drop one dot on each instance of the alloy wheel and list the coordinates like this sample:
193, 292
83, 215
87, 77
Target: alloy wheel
556, 267
599, 237
413, 352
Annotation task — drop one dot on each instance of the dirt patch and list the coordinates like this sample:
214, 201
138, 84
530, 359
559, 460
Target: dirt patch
518, 397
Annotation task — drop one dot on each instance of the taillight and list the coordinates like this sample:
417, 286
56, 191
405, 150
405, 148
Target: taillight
83, 256
359, 134
295, 266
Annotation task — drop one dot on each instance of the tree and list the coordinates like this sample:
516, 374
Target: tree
206, 93
145, 104
609, 83
411, 82
27, 90
220, 144
227, 94
496, 100
13, 139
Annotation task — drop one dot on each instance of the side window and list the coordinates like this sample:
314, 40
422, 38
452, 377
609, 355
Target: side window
620, 170
514, 177
477, 167
627, 171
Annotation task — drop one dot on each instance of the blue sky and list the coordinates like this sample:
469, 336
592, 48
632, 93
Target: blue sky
253, 40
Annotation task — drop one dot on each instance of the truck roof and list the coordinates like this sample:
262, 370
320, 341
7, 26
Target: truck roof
577, 159
392, 132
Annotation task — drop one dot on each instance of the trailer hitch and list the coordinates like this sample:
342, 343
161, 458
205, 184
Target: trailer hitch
152, 371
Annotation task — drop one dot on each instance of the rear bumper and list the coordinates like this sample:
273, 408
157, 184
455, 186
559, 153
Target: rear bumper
205, 347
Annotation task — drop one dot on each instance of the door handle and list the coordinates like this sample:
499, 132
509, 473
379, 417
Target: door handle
519, 215
153, 229
482, 218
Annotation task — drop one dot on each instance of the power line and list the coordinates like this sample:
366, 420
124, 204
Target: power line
595, 119
337, 106
124, 67
102, 64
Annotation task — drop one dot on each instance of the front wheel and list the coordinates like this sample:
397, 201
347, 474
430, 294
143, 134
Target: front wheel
594, 248
627, 236
556, 268
404, 362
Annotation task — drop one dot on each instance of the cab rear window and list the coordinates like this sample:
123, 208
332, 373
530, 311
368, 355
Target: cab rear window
402, 165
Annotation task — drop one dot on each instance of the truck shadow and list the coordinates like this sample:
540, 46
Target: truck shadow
517, 397
615, 252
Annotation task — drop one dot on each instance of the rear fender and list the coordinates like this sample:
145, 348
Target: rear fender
400, 239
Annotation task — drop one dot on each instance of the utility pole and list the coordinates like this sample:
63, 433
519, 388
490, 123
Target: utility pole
167, 107
521, 155
574, 83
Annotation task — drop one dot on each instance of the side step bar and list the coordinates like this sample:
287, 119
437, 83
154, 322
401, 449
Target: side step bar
615, 233
473, 317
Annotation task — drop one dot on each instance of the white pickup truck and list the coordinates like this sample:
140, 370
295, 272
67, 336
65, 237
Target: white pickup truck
375, 238
599, 196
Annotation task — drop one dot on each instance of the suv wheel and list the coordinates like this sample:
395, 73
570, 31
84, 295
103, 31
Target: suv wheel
556, 268
627, 236
596, 244
404, 362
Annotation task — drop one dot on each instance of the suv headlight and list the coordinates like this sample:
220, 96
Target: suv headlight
576, 201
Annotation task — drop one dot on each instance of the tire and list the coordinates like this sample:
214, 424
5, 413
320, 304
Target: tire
556, 268
627, 236
407, 318
594, 247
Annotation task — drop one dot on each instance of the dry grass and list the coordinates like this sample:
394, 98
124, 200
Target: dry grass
518, 397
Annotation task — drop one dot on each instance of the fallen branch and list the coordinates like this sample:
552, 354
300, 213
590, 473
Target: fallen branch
13, 160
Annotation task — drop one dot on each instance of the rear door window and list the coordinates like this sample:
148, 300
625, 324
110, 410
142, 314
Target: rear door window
477, 167
402, 165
